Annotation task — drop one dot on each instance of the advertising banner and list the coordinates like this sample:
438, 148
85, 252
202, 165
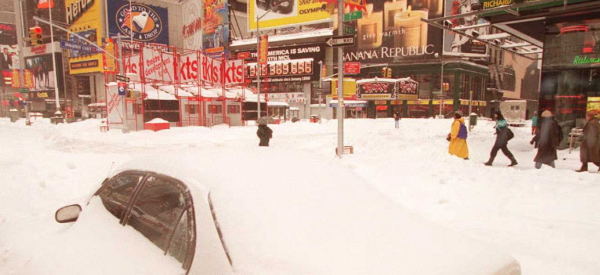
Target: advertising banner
263, 49
376, 89
459, 45
407, 89
392, 31
85, 19
8, 34
284, 13
214, 72
42, 71
293, 63
158, 65
146, 23
192, 24
215, 31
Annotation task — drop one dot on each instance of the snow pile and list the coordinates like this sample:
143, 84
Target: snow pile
547, 219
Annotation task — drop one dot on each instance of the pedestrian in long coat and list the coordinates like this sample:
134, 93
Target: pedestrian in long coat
590, 145
503, 135
546, 140
458, 146
264, 133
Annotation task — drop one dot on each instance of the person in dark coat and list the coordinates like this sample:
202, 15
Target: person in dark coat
503, 135
397, 119
546, 140
590, 145
264, 133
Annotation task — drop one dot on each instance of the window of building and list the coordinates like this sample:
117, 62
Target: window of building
233, 109
215, 109
191, 109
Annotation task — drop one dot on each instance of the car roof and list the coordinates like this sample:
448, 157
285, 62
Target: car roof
317, 218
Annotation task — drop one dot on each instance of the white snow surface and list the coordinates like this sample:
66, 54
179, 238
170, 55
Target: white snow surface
547, 219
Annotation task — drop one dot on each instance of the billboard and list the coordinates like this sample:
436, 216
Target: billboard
192, 24
459, 45
392, 31
215, 32
145, 23
85, 19
277, 14
291, 63
8, 34
42, 72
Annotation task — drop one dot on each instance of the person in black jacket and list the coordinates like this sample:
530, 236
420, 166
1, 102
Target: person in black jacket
503, 135
547, 139
264, 133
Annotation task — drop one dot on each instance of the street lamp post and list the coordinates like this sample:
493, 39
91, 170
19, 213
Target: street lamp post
258, 66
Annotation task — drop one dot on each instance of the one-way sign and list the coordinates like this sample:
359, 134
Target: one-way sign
340, 41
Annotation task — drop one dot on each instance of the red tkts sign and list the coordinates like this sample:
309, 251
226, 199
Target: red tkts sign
352, 68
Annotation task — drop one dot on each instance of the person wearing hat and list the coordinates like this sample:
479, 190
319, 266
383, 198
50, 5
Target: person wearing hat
590, 145
458, 137
546, 140
264, 133
503, 135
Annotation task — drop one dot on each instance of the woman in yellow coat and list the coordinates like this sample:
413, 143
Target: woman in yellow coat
458, 141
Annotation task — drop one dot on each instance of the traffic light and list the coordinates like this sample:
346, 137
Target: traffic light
446, 86
35, 35
388, 73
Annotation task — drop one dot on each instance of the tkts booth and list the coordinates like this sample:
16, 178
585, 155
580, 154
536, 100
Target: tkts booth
183, 87
386, 96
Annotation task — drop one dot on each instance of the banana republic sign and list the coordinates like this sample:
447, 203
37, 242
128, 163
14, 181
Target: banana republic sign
394, 31
77, 9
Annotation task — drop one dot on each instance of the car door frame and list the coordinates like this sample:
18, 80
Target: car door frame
187, 264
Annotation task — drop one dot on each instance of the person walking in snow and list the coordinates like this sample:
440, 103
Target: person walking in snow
503, 135
264, 133
546, 140
534, 123
397, 119
458, 137
590, 145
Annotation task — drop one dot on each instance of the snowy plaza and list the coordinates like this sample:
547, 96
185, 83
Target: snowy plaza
546, 219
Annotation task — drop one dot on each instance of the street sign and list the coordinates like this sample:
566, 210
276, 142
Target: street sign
340, 41
76, 46
122, 88
122, 78
352, 68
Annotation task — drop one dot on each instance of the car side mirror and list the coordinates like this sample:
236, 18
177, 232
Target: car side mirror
68, 213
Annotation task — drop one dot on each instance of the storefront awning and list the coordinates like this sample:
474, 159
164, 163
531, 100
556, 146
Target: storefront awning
349, 103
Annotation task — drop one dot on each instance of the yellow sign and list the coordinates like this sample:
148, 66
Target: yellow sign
300, 12
85, 18
408, 97
349, 88
593, 106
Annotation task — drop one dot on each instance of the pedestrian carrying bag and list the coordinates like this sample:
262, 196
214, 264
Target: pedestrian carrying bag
510, 133
462, 131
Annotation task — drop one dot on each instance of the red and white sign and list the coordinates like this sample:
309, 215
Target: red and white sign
188, 68
45, 4
352, 68
158, 65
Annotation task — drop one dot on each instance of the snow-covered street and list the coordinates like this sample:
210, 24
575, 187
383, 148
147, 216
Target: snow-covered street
548, 219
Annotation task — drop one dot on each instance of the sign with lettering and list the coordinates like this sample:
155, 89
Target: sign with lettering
293, 63
144, 22
394, 32
376, 90
85, 19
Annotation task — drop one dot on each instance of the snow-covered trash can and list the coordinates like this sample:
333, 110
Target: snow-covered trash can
13, 114
156, 124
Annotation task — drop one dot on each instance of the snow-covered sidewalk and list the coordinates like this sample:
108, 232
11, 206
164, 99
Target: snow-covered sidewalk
548, 219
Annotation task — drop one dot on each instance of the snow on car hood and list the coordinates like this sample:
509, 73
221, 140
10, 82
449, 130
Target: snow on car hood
277, 219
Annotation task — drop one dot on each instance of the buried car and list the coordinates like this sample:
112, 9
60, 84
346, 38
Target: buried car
256, 214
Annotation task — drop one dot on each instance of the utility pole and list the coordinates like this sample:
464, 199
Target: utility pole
18, 6
58, 114
340, 105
